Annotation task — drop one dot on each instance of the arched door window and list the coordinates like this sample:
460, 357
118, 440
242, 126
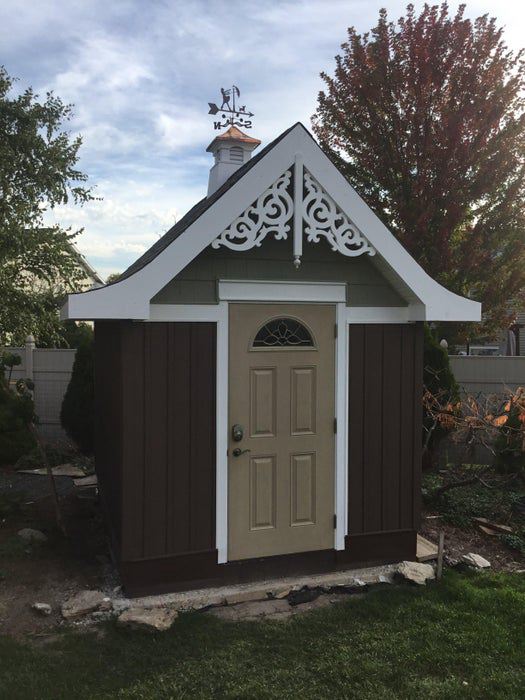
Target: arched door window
283, 333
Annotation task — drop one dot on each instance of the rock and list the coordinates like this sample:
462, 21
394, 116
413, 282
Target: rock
280, 593
42, 608
245, 596
323, 601
304, 595
82, 603
475, 561
30, 535
415, 572
105, 605
152, 620
253, 611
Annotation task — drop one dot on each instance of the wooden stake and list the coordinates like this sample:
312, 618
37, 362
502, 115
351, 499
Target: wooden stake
441, 547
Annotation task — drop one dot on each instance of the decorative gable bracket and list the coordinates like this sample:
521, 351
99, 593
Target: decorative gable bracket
315, 215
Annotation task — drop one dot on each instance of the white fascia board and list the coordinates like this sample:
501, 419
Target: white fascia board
440, 304
130, 297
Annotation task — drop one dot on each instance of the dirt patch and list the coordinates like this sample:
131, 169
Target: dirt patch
459, 541
53, 571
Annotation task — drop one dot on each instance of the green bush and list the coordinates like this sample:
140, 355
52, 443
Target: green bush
16, 416
76, 413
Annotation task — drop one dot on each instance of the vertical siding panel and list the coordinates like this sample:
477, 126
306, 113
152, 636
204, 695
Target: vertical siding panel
203, 430
407, 428
418, 423
133, 439
372, 427
179, 456
107, 420
391, 426
355, 428
155, 494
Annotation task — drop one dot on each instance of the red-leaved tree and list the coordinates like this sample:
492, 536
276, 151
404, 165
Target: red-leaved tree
426, 119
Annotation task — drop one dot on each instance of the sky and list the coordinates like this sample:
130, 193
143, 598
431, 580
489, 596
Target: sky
140, 74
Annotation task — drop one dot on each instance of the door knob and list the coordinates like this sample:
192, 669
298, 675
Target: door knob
237, 452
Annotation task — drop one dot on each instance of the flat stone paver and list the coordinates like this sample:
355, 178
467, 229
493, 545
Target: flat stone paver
252, 611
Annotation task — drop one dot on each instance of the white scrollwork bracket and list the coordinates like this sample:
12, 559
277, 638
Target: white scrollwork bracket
269, 215
323, 218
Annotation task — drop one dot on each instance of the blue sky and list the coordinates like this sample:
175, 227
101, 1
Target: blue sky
141, 72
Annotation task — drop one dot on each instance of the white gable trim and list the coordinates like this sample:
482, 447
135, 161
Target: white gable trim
130, 298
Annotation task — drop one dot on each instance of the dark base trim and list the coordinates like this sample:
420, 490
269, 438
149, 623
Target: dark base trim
200, 569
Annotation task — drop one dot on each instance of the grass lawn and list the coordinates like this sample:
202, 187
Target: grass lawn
464, 638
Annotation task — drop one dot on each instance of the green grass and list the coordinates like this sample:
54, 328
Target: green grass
463, 638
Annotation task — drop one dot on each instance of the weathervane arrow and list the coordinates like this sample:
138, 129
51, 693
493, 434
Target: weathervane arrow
213, 108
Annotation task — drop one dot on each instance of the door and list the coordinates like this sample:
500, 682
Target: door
282, 442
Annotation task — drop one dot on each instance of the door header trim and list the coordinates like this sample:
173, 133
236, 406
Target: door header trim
282, 292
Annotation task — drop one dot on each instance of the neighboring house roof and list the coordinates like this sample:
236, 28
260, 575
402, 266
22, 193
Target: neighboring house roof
129, 297
90, 271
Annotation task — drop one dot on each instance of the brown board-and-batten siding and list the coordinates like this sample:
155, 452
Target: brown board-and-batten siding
156, 453
384, 438
158, 450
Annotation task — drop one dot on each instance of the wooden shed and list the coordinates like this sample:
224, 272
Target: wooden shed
259, 379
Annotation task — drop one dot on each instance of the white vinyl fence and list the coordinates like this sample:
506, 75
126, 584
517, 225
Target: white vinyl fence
479, 374
50, 371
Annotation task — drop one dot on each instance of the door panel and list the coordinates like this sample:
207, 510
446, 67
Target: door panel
304, 388
262, 496
262, 402
281, 390
303, 484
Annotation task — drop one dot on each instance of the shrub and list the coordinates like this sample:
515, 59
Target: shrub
439, 380
16, 416
76, 413
509, 445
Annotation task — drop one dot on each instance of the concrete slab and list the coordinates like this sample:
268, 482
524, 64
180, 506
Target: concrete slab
259, 590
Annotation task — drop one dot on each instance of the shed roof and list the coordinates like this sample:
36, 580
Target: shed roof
129, 297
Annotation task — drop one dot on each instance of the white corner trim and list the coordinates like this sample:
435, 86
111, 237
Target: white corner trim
341, 441
282, 292
221, 486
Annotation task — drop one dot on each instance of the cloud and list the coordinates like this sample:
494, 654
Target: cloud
141, 74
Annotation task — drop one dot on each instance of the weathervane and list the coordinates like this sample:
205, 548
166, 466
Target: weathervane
230, 114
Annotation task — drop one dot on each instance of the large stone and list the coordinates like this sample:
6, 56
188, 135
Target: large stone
42, 608
30, 535
245, 596
415, 572
253, 611
82, 603
151, 620
475, 561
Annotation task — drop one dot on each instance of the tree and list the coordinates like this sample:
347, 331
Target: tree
37, 172
426, 119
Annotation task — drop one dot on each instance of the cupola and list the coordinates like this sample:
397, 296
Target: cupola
230, 150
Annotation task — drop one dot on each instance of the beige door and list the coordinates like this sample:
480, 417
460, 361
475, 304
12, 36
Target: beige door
281, 472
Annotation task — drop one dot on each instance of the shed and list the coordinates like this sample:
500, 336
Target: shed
258, 379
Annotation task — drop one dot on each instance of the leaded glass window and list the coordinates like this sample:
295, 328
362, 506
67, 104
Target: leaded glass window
283, 333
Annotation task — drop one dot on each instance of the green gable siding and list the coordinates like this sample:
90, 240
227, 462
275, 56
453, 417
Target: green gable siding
197, 283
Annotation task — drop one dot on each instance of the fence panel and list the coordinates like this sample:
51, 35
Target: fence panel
478, 374
50, 370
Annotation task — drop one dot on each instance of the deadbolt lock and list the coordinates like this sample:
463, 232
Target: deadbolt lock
237, 432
